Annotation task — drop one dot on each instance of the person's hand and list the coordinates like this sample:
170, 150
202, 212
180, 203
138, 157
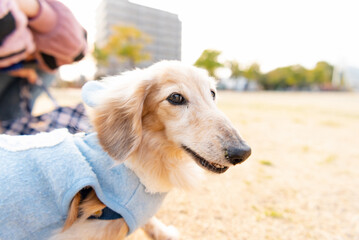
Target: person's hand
28, 73
29, 7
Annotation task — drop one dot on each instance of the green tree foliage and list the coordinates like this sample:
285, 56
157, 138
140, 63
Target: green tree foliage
298, 77
294, 76
236, 71
209, 61
100, 55
286, 77
253, 72
322, 73
126, 43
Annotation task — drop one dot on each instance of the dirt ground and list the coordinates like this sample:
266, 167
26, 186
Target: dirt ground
301, 182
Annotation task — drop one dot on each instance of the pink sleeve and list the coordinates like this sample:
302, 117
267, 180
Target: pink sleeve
59, 38
16, 41
45, 20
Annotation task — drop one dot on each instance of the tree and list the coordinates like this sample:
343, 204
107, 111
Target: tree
298, 77
236, 72
126, 43
100, 55
322, 73
209, 61
253, 72
295, 76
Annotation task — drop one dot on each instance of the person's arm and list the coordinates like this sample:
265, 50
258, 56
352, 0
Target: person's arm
16, 42
59, 39
27, 73
29, 7
58, 36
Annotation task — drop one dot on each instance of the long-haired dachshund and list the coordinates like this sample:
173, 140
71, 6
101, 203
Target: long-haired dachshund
155, 129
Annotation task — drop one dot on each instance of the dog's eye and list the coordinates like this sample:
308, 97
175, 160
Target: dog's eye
176, 99
213, 94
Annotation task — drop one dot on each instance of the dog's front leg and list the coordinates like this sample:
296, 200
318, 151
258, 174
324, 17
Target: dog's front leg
159, 231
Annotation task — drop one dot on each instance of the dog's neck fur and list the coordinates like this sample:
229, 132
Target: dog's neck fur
163, 166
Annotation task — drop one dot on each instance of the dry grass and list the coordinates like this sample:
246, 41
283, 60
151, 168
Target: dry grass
301, 182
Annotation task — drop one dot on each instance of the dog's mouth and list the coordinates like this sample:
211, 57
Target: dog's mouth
213, 167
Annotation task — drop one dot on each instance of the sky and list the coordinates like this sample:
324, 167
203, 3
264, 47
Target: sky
273, 33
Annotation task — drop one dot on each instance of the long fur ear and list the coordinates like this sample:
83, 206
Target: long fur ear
118, 118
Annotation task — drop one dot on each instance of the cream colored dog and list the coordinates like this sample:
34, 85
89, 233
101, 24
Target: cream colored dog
166, 123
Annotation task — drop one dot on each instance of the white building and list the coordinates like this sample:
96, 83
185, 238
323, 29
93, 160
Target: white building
164, 28
351, 77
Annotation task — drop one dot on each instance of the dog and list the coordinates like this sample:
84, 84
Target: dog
155, 129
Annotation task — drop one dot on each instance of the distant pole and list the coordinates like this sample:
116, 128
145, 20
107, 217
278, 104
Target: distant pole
336, 76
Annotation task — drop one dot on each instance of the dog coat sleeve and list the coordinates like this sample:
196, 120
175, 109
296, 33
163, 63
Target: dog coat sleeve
40, 175
120, 189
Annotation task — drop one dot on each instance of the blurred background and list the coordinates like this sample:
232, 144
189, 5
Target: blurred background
302, 179
271, 44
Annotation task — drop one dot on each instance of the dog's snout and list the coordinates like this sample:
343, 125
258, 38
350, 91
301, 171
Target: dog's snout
236, 155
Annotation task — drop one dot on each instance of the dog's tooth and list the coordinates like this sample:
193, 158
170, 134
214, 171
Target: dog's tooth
219, 166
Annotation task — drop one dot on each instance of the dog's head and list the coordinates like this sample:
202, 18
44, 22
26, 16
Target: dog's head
171, 106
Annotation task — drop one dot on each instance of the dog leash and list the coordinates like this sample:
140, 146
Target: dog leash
40, 84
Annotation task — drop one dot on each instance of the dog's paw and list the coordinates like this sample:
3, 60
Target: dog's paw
157, 230
170, 233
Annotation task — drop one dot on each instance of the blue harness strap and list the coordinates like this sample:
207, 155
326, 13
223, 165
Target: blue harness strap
106, 213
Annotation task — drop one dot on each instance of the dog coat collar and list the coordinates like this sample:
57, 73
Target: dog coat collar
37, 184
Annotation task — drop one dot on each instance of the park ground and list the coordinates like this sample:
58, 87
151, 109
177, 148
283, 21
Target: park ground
301, 182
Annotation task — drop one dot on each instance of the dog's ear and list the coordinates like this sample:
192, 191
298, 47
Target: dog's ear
91, 92
117, 118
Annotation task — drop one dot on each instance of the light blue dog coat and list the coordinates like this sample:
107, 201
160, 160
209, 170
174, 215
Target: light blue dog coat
40, 174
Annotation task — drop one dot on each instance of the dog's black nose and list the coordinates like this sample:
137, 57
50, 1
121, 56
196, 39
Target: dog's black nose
237, 155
